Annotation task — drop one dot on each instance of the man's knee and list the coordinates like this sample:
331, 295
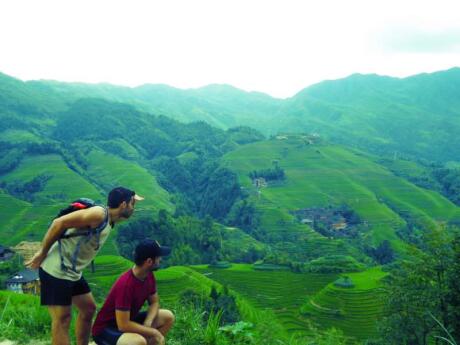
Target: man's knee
61, 320
87, 310
169, 317
140, 341
133, 339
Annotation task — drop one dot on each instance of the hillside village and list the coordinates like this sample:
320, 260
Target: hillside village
333, 222
19, 279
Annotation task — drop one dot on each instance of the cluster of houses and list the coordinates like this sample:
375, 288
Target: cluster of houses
330, 221
26, 280
308, 139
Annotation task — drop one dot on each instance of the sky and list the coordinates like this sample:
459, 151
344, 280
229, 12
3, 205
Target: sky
275, 47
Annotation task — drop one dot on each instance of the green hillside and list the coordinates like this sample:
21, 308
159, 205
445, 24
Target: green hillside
286, 294
318, 175
418, 115
170, 281
29, 220
109, 171
355, 310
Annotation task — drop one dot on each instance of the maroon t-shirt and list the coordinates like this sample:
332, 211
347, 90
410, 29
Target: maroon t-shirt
128, 293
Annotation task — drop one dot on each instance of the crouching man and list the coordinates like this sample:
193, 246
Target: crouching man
119, 321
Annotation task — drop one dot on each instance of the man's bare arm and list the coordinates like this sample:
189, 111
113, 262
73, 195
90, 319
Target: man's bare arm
125, 325
154, 301
88, 218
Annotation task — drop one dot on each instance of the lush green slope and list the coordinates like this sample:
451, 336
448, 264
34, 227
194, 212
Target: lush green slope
286, 293
282, 292
320, 175
170, 282
418, 115
109, 171
50, 159
354, 310
29, 220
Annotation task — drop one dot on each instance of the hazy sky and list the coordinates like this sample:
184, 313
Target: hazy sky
277, 47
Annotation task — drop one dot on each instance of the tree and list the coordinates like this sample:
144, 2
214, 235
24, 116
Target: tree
383, 254
453, 295
416, 289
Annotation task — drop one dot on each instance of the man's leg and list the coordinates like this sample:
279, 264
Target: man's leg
86, 308
60, 323
132, 339
164, 321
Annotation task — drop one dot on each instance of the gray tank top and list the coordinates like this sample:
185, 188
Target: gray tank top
89, 247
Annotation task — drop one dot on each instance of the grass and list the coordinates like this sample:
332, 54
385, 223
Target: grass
22, 318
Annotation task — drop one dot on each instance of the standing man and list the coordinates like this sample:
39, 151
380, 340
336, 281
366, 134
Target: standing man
119, 321
70, 244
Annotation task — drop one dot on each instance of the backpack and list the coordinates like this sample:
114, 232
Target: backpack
80, 204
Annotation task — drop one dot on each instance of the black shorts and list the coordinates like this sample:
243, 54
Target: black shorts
55, 291
110, 335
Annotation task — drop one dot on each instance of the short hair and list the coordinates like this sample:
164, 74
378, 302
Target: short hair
118, 195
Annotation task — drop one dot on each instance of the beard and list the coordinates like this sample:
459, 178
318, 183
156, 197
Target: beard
126, 213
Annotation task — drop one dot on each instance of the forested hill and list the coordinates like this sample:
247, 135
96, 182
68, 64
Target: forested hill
50, 157
417, 116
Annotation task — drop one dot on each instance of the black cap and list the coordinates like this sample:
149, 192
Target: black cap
149, 249
120, 194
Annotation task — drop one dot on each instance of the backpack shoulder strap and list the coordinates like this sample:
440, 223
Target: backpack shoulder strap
97, 229
86, 235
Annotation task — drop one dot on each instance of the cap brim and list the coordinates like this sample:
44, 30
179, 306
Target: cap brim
138, 197
165, 251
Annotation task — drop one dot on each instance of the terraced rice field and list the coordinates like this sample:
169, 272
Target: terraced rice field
21, 220
354, 310
170, 282
27, 221
107, 269
286, 292
281, 291
321, 175
110, 171
174, 280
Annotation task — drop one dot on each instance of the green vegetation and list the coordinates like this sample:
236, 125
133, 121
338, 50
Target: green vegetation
333, 264
194, 241
225, 196
423, 292
22, 318
323, 176
373, 112
354, 308
280, 291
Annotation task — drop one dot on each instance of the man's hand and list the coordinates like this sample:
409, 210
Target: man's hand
35, 262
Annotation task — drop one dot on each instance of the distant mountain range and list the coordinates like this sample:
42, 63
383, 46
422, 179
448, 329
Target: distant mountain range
417, 116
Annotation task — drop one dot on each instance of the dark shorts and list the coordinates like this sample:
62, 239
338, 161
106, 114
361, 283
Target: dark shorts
55, 291
110, 335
